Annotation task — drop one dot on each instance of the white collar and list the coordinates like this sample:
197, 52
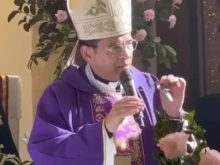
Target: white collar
111, 87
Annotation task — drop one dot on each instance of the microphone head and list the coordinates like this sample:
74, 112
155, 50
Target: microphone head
125, 76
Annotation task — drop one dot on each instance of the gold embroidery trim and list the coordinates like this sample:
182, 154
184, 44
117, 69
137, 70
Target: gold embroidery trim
137, 153
98, 114
98, 111
110, 25
4, 93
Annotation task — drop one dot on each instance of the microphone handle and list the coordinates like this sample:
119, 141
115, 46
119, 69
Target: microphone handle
139, 118
130, 90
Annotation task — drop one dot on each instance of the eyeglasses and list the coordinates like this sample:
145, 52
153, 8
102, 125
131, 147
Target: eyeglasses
118, 49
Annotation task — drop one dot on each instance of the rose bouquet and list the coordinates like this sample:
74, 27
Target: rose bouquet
182, 142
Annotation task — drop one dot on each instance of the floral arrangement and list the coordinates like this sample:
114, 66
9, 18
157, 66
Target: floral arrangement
57, 32
183, 144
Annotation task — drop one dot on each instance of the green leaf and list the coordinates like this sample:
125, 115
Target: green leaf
40, 3
26, 27
19, 2
191, 116
33, 9
165, 10
29, 65
43, 38
23, 20
40, 44
167, 63
170, 50
20, 7
157, 39
161, 59
40, 11
42, 27
35, 61
161, 51
173, 58
31, 1
138, 23
57, 37
51, 27
12, 15
35, 19
26, 9
145, 62
171, 53
149, 50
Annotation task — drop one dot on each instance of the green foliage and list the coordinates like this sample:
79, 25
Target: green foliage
151, 46
56, 36
53, 35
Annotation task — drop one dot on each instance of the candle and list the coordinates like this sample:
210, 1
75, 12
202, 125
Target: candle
123, 157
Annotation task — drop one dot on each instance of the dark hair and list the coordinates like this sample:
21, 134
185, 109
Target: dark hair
92, 43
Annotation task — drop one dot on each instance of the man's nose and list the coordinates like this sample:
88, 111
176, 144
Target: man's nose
125, 54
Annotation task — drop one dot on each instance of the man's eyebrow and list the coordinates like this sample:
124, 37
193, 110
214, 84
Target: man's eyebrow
113, 44
117, 42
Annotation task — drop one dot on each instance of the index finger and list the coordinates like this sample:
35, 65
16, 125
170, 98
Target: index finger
131, 98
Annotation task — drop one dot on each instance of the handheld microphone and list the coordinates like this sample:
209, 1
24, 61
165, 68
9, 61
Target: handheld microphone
127, 82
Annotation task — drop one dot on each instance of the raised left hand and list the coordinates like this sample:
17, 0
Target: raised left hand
176, 87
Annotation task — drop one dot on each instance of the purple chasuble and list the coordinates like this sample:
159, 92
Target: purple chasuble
68, 128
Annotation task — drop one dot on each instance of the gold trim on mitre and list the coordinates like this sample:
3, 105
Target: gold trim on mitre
98, 19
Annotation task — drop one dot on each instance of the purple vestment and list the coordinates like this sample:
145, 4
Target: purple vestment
68, 125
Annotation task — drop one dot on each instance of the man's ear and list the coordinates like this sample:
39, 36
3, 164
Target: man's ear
86, 53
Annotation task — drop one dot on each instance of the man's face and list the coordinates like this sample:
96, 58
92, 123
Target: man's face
112, 56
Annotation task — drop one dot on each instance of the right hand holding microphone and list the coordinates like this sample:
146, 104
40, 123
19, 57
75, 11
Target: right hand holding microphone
128, 106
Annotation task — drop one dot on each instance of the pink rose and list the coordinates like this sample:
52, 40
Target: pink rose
141, 1
172, 20
211, 157
149, 15
177, 2
174, 145
61, 16
140, 35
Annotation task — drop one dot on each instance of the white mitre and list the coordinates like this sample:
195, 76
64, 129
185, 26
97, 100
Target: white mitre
98, 19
